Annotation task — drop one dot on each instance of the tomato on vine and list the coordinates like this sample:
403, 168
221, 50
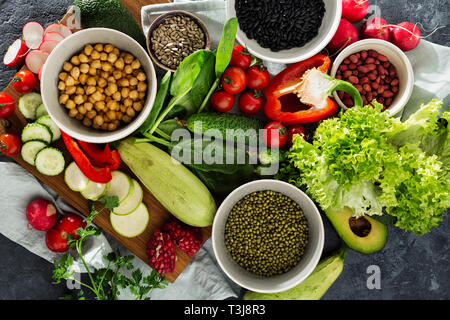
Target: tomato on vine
24, 81
7, 105
257, 77
241, 57
250, 102
234, 80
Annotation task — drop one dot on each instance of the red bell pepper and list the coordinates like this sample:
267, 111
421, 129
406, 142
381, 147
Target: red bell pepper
99, 175
101, 157
302, 92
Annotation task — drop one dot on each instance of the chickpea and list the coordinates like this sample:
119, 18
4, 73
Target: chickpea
87, 122
141, 76
108, 48
63, 76
91, 81
75, 73
112, 58
125, 92
128, 69
111, 115
116, 51
123, 108
126, 119
100, 105
78, 99
133, 81
83, 58
73, 112
83, 78
101, 90
112, 87
117, 74
106, 66
112, 127
130, 112
98, 47
117, 96
90, 90
104, 74
97, 64
142, 86
137, 106
71, 90
119, 64
134, 95
95, 126
97, 96
82, 110
88, 106
88, 50
112, 105
98, 120
124, 82
128, 102
104, 126
92, 71
61, 86
75, 60
79, 116
119, 116
135, 64
103, 56
91, 114
102, 82
141, 95
128, 58
84, 68
67, 66
95, 55
64, 98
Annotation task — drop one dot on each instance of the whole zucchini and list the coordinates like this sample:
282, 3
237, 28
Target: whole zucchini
172, 184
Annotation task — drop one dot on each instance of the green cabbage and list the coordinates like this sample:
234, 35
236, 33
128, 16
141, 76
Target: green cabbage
376, 165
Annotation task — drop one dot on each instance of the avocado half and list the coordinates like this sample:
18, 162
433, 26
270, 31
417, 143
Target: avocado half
364, 234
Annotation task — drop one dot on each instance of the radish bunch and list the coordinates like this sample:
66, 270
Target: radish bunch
35, 45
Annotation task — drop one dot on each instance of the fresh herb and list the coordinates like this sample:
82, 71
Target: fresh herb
106, 282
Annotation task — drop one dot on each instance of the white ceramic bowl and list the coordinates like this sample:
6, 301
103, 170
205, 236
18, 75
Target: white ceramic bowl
396, 56
276, 283
327, 30
63, 52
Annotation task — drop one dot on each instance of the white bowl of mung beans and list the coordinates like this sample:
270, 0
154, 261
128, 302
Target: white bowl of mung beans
98, 85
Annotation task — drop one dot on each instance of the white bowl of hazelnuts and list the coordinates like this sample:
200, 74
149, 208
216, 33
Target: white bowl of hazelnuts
98, 85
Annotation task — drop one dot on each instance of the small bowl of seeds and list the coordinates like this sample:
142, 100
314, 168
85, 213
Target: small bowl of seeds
175, 35
268, 236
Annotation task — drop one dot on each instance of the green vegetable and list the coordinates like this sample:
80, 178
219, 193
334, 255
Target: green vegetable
203, 82
106, 282
230, 127
314, 286
175, 187
109, 14
373, 164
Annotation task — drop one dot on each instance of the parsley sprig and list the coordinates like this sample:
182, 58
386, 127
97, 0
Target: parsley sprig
106, 282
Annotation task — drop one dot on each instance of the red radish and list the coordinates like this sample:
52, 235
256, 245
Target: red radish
406, 36
376, 28
345, 35
48, 45
59, 28
16, 54
41, 214
53, 36
33, 34
355, 10
35, 60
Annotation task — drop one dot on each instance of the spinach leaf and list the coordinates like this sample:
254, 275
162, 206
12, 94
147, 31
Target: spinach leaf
169, 126
204, 81
226, 44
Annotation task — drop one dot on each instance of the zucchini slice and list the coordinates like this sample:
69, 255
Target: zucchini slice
132, 224
94, 190
131, 202
74, 178
121, 186
50, 161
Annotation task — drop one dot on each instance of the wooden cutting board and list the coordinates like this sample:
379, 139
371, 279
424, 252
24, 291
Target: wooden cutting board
158, 214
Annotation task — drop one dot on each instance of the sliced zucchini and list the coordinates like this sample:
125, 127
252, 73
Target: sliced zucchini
132, 224
36, 131
131, 202
121, 185
30, 149
94, 191
28, 103
50, 161
41, 111
47, 121
74, 178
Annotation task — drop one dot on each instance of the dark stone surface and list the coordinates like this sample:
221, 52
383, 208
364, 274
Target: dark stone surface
411, 267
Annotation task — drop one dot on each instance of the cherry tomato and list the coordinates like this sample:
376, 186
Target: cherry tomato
257, 77
222, 101
275, 134
7, 105
234, 80
250, 102
296, 129
241, 57
24, 81
57, 237
10, 144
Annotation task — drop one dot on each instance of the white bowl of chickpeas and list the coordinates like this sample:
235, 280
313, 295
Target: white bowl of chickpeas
98, 85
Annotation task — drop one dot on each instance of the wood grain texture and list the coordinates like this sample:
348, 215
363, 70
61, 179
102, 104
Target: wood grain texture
158, 214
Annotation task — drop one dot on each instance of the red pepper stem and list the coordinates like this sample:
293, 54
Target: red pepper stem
341, 85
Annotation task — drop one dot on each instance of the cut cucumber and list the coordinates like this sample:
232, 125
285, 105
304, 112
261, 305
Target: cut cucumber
47, 121
50, 161
132, 224
94, 190
37, 131
74, 178
121, 186
28, 103
41, 111
131, 202
30, 149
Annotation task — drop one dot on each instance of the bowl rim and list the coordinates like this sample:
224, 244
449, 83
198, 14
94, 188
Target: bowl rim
160, 18
114, 135
308, 54
393, 110
265, 184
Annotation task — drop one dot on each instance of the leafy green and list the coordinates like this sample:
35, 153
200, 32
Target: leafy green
375, 164
203, 82
225, 48
106, 282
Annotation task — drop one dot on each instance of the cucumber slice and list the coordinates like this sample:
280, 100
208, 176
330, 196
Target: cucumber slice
132, 224
50, 161
131, 202
36, 131
47, 121
30, 149
74, 178
94, 190
41, 111
28, 103
121, 186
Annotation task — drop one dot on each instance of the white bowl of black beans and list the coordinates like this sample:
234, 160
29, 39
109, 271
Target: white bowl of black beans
285, 31
379, 70
268, 236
